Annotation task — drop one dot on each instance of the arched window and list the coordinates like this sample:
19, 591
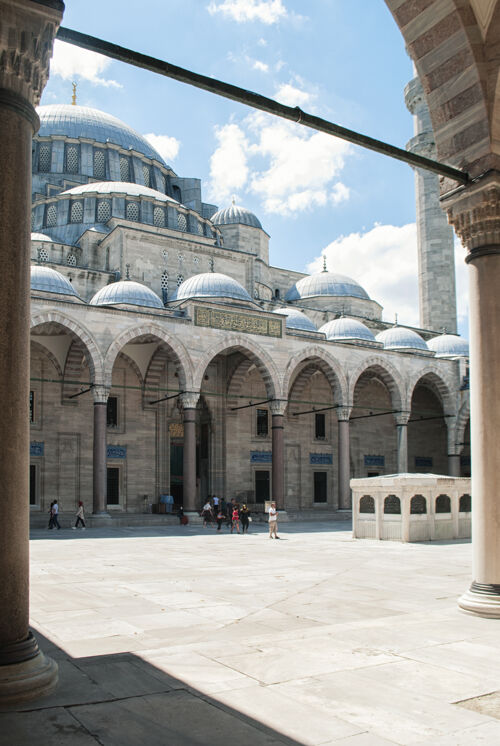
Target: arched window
103, 210
392, 505
367, 504
443, 504
124, 168
99, 164
51, 216
71, 260
45, 157
43, 255
180, 280
133, 211
176, 193
199, 228
164, 280
464, 505
418, 505
277, 293
72, 159
181, 221
146, 174
76, 214
159, 217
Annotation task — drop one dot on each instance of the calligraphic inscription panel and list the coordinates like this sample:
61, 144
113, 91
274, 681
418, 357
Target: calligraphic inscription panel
237, 322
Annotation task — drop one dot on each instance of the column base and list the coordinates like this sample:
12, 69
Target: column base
30, 675
482, 599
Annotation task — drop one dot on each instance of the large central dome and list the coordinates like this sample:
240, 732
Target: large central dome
326, 284
83, 122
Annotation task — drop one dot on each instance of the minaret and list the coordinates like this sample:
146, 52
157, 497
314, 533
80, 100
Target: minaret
436, 259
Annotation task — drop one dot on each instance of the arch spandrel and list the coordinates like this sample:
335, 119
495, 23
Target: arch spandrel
176, 348
79, 333
387, 373
250, 349
325, 362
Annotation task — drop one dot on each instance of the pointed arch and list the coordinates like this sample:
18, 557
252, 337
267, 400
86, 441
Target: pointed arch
441, 384
316, 357
387, 373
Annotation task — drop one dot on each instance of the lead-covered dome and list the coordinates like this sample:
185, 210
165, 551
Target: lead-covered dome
126, 292
236, 214
295, 319
48, 280
346, 329
449, 345
326, 284
211, 285
40, 237
119, 187
401, 338
83, 122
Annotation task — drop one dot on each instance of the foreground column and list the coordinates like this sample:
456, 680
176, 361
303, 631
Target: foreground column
26, 34
189, 402
402, 442
343, 415
277, 429
475, 215
100, 476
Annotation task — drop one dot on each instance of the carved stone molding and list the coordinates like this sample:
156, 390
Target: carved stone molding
100, 394
278, 406
27, 31
344, 413
402, 418
189, 400
474, 212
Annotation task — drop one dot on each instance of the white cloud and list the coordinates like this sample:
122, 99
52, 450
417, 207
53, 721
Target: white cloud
340, 193
263, 67
262, 42
70, 62
290, 95
167, 147
228, 164
241, 11
384, 262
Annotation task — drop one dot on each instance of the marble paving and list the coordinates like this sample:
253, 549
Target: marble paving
184, 636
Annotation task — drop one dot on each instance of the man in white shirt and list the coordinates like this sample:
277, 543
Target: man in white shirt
273, 521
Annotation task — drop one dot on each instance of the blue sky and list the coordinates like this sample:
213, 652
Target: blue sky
344, 61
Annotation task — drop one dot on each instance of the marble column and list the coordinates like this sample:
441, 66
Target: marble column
26, 36
100, 477
453, 456
402, 442
343, 415
278, 408
474, 212
454, 464
189, 402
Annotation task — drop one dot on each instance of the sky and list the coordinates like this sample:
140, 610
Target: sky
314, 194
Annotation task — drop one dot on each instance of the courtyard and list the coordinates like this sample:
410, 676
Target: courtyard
179, 635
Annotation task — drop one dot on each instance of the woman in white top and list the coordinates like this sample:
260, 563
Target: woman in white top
273, 521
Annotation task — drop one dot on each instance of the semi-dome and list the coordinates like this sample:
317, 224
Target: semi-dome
40, 237
119, 187
401, 338
325, 284
295, 319
449, 345
211, 285
347, 330
127, 292
236, 214
83, 122
48, 280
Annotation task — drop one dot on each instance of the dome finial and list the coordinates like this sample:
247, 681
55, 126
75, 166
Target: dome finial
233, 200
324, 264
127, 274
73, 97
395, 319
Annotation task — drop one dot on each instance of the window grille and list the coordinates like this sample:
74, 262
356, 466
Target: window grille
262, 422
180, 280
71, 260
146, 175
199, 228
76, 215
160, 183
159, 217
51, 218
103, 210
196, 261
45, 157
133, 211
367, 504
164, 254
72, 159
43, 255
181, 221
99, 164
124, 168
164, 280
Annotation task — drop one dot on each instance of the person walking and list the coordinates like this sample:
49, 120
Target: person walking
273, 521
207, 513
235, 518
220, 518
51, 516
55, 515
80, 517
244, 518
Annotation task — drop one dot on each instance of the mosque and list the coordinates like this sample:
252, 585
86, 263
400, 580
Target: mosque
169, 356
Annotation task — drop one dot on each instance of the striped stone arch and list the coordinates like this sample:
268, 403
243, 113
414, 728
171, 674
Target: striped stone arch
259, 357
387, 373
301, 365
237, 377
79, 333
441, 384
72, 379
462, 419
154, 375
175, 348
49, 355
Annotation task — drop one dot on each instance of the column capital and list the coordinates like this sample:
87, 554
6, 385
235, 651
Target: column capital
27, 34
474, 213
278, 406
402, 417
189, 399
100, 393
344, 413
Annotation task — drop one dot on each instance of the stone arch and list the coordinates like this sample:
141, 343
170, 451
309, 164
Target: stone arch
237, 377
387, 373
72, 370
133, 366
433, 378
49, 355
315, 356
79, 333
461, 423
250, 349
176, 349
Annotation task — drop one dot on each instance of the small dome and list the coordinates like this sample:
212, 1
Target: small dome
211, 285
40, 237
119, 187
236, 214
48, 280
295, 319
83, 122
127, 292
449, 345
347, 330
401, 338
326, 284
